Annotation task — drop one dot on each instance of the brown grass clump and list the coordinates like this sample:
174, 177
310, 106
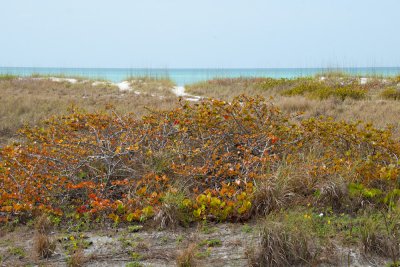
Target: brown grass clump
172, 212
380, 235
77, 259
274, 193
283, 246
43, 225
43, 245
334, 193
186, 258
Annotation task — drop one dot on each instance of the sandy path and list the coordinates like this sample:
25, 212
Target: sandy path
180, 91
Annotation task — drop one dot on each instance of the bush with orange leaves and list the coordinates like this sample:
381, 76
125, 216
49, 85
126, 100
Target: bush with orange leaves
215, 153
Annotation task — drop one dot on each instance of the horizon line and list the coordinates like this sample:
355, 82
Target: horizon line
206, 68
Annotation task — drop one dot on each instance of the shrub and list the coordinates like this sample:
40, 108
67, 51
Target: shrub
349, 92
269, 83
104, 163
306, 87
391, 93
118, 167
321, 90
173, 211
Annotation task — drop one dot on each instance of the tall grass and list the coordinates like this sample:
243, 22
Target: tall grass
29, 101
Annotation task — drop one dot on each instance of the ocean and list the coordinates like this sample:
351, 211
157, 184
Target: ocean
190, 76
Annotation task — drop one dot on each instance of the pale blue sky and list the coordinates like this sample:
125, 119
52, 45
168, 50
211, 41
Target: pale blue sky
203, 33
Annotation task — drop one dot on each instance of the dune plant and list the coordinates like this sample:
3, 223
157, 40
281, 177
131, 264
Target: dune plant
324, 90
107, 165
391, 93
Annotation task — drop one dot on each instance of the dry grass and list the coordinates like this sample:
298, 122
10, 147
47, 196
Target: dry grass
370, 109
30, 100
379, 112
226, 89
186, 258
283, 246
276, 192
295, 104
150, 85
42, 244
43, 225
380, 236
77, 259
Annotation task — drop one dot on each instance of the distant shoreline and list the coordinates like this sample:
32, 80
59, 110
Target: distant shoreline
189, 76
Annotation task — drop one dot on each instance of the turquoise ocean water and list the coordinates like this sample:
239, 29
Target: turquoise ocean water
188, 76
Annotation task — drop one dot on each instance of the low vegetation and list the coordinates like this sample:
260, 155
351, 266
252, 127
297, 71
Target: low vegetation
7, 77
309, 236
320, 90
152, 85
391, 93
44, 247
186, 258
336, 95
218, 154
31, 100
315, 185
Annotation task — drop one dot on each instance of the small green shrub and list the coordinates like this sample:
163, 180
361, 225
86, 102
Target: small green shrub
211, 243
349, 92
17, 251
393, 264
304, 88
391, 93
269, 83
247, 229
321, 90
134, 228
214, 243
136, 256
7, 77
134, 264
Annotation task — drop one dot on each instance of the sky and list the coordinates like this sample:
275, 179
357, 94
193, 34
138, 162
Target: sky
200, 34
